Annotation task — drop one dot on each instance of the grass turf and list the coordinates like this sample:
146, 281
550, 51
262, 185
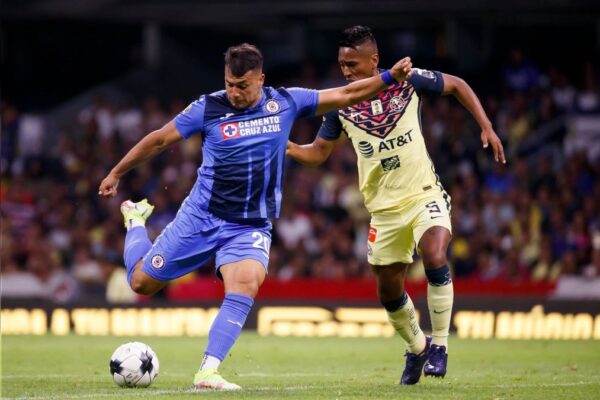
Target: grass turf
76, 367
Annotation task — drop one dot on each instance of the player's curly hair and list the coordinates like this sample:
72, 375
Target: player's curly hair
243, 58
357, 35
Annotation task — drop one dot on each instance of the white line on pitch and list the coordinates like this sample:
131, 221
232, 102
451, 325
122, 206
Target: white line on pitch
250, 374
35, 376
285, 375
145, 393
532, 385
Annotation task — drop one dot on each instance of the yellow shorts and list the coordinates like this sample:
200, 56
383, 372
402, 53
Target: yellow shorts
393, 235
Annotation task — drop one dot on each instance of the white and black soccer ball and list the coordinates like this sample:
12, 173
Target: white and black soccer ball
134, 364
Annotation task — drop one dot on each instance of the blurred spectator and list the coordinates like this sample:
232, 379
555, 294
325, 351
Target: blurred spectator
546, 268
129, 123
520, 74
519, 121
86, 269
17, 283
8, 139
592, 270
118, 290
588, 99
563, 91
488, 265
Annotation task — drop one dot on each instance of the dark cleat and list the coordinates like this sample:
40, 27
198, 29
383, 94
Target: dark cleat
438, 359
414, 364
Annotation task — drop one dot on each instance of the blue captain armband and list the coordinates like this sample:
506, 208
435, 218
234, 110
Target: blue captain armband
387, 78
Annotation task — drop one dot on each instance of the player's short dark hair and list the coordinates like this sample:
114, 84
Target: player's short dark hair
243, 58
357, 35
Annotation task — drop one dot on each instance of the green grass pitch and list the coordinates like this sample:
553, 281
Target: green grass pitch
76, 367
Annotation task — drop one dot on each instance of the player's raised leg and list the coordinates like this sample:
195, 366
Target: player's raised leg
137, 245
242, 280
440, 296
401, 314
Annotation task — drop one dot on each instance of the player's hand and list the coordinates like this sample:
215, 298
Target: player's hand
402, 70
108, 186
290, 147
489, 137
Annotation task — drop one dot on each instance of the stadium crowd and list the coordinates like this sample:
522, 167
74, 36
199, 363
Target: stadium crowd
536, 218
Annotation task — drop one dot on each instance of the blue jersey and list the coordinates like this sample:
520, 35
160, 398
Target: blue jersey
240, 178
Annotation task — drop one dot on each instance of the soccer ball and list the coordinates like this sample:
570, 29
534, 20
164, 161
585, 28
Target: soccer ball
134, 364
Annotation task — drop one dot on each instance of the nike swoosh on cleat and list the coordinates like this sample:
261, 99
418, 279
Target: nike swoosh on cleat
440, 312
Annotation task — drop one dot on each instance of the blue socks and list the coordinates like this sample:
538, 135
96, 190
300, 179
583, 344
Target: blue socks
439, 276
228, 325
137, 245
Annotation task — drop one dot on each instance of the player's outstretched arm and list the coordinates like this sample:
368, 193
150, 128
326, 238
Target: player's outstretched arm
462, 91
314, 153
355, 92
147, 148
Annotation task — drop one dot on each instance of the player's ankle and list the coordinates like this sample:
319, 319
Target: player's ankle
135, 223
210, 362
440, 341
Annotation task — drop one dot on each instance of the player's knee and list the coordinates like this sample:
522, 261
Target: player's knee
389, 291
142, 286
435, 259
244, 280
390, 281
138, 286
246, 287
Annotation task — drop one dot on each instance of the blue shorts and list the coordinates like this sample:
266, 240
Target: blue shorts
195, 236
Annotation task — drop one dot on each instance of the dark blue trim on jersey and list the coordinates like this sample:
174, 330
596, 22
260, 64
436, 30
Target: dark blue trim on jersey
265, 183
331, 127
289, 98
279, 186
427, 82
256, 177
273, 183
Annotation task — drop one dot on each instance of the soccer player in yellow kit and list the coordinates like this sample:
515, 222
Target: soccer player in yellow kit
408, 205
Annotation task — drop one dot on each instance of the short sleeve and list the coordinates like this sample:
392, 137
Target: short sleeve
331, 127
427, 82
306, 101
191, 119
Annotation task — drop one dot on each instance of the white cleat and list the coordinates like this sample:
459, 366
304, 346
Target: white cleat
136, 214
209, 379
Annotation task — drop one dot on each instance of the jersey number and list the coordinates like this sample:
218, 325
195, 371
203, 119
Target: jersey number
434, 209
262, 242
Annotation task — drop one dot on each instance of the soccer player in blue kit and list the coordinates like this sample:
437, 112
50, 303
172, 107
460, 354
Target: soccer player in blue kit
245, 130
